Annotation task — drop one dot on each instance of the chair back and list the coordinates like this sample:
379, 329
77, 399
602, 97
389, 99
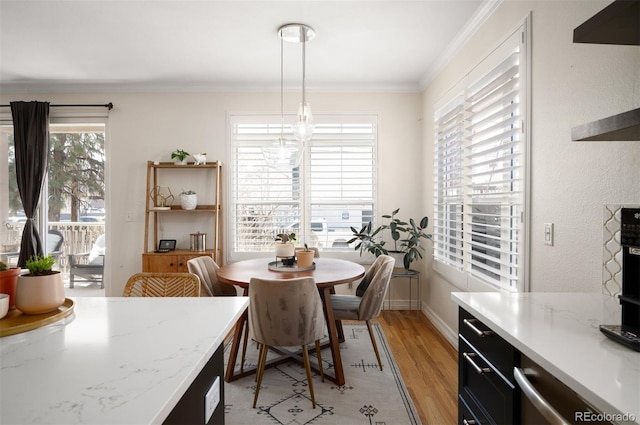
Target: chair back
162, 285
285, 312
373, 287
206, 269
54, 241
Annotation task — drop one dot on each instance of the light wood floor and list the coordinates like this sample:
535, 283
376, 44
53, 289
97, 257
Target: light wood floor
427, 362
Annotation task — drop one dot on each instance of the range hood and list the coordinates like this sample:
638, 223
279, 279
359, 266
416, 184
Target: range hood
618, 23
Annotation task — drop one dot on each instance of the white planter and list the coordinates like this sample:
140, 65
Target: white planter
399, 257
284, 250
179, 162
188, 202
39, 294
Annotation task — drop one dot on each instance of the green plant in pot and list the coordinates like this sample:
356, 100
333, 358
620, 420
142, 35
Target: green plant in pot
407, 238
284, 246
42, 290
188, 200
304, 256
180, 156
9, 282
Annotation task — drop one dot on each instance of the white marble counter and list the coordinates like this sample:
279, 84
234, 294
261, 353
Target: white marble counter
559, 331
113, 361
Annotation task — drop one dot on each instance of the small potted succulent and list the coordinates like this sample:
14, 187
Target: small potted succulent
179, 156
284, 245
42, 290
8, 282
188, 200
304, 256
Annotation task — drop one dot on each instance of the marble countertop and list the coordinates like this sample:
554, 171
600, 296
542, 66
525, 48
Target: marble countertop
113, 361
559, 331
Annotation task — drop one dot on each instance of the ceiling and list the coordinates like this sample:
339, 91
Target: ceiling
217, 45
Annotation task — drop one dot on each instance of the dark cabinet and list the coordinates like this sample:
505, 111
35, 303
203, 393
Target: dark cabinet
487, 391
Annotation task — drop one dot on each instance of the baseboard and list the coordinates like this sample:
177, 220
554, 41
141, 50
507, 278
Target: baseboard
441, 326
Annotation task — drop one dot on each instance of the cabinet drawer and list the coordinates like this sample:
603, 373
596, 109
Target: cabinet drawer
502, 355
469, 414
480, 383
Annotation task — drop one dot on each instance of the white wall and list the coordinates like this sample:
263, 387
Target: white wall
146, 127
571, 181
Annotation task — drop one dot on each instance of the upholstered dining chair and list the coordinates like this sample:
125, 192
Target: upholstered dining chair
286, 312
205, 268
366, 304
162, 285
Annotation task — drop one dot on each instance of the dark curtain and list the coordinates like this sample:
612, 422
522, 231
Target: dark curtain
31, 138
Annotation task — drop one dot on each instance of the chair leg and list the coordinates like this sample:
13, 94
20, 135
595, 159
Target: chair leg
262, 359
373, 341
307, 367
319, 359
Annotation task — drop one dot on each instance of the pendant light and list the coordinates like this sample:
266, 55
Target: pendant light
283, 153
299, 33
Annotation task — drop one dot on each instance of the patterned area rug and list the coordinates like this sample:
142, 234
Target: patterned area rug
370, 396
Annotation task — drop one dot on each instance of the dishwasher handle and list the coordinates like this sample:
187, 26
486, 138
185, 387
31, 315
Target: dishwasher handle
543, 406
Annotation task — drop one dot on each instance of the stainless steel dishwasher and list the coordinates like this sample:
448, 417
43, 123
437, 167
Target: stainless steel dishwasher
546, 400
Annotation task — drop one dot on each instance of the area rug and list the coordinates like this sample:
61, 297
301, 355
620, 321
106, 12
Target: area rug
370, 396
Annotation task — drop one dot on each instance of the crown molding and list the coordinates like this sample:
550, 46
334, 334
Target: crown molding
471, 27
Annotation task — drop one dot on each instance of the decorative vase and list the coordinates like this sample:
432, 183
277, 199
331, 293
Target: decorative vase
399, 257
305, 258
39, 294
189, 202
284, 249
8, 282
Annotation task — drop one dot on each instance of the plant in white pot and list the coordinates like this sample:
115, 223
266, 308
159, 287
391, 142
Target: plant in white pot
179, 156
284, 245
42, 290
188, 200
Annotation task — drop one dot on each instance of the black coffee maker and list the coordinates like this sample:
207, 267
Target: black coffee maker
629, 332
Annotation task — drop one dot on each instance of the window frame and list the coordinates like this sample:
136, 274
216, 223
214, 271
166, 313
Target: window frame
460, 273
327, 120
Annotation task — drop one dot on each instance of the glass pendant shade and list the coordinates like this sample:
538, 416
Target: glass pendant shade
283, 154
304, 125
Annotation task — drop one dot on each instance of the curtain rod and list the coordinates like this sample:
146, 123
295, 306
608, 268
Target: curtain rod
109, 106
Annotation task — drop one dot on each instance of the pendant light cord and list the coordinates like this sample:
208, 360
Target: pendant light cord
281, 89
304, 61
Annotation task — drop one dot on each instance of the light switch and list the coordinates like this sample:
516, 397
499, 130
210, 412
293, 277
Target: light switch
548, 234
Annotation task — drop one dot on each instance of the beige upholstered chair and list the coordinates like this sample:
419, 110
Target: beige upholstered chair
162, 285
366, 304
286, 312
206, 270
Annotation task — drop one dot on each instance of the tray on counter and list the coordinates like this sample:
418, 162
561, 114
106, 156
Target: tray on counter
15, 322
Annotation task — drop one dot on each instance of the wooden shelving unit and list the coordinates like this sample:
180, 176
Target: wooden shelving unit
176, 261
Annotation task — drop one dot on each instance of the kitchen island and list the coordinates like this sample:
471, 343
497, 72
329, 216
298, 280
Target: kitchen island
115, 360
559, 332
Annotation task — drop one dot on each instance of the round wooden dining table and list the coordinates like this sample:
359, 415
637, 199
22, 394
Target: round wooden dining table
327, 273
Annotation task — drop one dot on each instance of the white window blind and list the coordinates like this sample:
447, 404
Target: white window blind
480, 173
333, 189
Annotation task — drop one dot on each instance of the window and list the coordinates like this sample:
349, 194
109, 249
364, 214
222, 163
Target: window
480, 170
333, 189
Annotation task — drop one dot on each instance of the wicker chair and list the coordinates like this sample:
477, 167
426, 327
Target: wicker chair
162, 285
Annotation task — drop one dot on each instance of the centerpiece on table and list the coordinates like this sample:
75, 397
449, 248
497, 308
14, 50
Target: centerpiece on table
42, 290
305, 256
407, 238
285, 248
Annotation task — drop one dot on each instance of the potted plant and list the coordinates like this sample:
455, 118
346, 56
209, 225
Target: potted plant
188, 200
284, 245
406, 236
304, 256
179, 156
42, 290
8, 282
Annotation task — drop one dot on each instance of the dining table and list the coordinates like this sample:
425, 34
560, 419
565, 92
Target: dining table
326, 272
